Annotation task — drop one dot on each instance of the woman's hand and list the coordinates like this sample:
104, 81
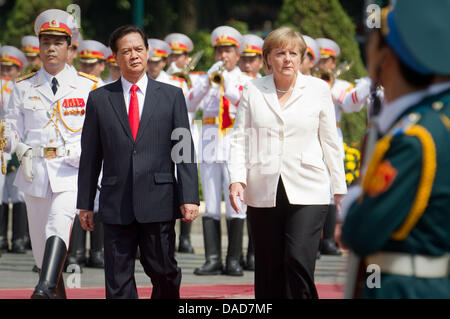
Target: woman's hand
236, 194
337, 201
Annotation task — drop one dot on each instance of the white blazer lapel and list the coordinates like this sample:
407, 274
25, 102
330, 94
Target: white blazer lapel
297, 92
270, 95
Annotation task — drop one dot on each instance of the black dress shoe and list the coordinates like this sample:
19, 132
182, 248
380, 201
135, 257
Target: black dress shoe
96, 259
329, 247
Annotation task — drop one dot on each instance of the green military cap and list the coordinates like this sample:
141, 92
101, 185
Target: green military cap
419, 33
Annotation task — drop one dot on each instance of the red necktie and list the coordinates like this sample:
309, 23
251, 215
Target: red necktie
133, 112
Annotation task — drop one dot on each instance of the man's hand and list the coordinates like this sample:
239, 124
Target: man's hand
189, 212
86, 219
236, 193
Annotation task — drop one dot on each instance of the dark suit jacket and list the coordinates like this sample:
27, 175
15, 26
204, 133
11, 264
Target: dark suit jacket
138, 176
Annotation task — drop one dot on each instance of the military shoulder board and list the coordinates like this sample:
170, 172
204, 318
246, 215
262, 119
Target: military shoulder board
89, 76
404, 124
26, 76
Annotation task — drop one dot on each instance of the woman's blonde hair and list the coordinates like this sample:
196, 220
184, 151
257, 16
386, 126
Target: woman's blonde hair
280, 38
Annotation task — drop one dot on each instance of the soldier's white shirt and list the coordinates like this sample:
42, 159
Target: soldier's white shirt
215, 149
38, 118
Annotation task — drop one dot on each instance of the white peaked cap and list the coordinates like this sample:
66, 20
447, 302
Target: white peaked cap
312, 48
160, 49
179, 43
10, 55
328, 48
226, 36
57, 22
91, 51
30, 45
253, 45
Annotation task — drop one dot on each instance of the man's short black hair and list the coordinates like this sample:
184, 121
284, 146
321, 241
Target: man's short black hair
122, 31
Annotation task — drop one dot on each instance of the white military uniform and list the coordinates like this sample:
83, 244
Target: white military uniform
6, 87
215, 145
10, 55
50, 124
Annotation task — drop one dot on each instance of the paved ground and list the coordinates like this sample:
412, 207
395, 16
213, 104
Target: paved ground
15, 269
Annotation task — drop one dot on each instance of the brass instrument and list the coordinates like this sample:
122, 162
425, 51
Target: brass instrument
189, 67
216, 78
3, 142
330, 76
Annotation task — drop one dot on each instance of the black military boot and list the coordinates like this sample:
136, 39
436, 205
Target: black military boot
77, 247
184, 243
235, 236
328, 245
250, 262
213, 248
4, 213
19, 226
49, 286
96, 252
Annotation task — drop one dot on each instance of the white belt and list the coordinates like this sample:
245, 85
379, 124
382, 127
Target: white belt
49, 152
411, 265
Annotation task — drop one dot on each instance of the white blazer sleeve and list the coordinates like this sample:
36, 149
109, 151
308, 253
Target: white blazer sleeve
237, 167
331, 143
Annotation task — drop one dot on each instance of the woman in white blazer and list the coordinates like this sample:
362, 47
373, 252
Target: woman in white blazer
283, 145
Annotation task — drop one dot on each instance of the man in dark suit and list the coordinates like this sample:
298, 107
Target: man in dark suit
129, 126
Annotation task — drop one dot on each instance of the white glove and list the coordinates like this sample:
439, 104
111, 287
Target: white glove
73, 156
25, 156
215, 67
363, 87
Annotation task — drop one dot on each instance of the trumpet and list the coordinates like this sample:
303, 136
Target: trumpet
189, 67
216, 78
330, 76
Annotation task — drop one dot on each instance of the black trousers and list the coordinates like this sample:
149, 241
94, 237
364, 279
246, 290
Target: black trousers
286, 239
157, 255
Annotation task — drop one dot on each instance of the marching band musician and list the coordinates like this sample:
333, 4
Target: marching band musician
12, 62
219, 102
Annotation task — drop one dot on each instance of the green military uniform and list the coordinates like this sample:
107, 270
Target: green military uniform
399, 217
397, 191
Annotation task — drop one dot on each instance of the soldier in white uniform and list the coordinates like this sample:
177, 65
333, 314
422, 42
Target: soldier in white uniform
219, 102
113, 68
92, 63
181, 45
93, 59
329, 51
73, 50
12, 62
251, 63
30, 47
45, 117
312, 55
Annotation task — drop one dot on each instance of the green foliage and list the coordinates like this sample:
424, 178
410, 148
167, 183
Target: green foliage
20, 20
327, 19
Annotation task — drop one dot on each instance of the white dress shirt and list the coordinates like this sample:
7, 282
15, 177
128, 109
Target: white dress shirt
142, 85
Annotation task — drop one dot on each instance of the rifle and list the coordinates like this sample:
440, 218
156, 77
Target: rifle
356, 267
